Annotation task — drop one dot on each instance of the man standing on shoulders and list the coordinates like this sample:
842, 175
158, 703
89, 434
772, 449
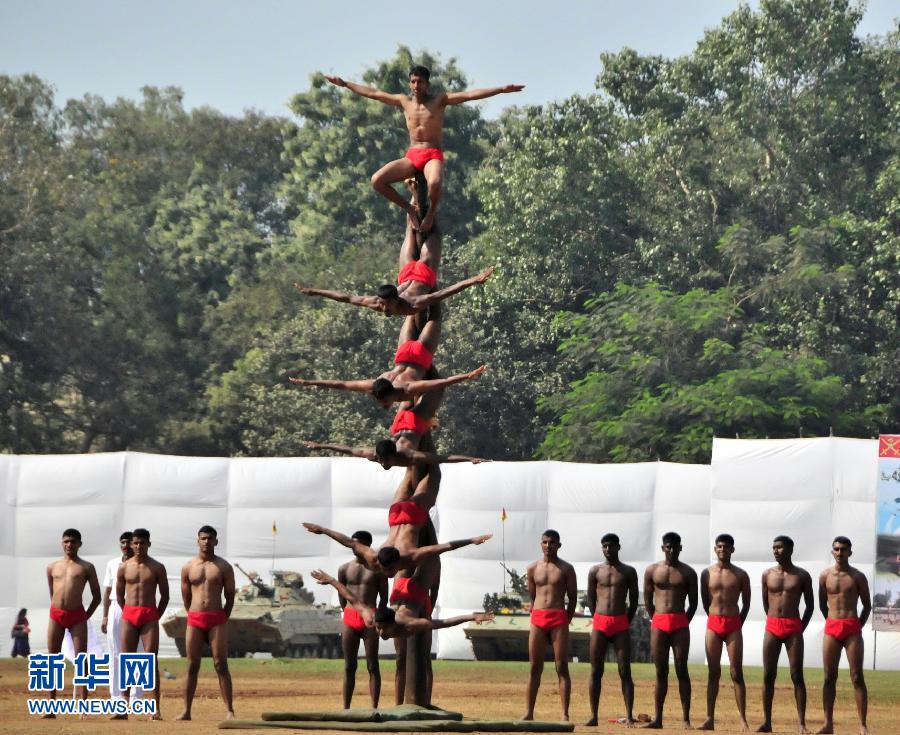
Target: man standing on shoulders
609, 586
841, 589
111, 625
66, 579
136, 584
782, 587
370, 588
667, 584
722, 586
205, 580
553, 590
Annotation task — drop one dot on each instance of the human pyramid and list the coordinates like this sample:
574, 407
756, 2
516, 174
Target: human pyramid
411, 553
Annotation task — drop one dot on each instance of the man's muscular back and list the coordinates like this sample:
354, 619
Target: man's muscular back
784, 590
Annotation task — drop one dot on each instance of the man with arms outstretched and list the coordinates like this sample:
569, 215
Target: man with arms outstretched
388, 454
205, 580
722, 587
667, 585
841, 589
137, 582
553, 590
783, 586
612, 598
424, 114
66, 579
368, 588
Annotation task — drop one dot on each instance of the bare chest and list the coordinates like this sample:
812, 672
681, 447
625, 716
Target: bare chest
668, 578
204, 573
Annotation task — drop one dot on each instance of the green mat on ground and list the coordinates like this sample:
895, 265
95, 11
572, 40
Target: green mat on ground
386, 714
404, 726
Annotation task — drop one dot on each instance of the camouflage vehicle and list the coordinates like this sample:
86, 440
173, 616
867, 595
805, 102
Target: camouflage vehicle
505, 638
280, 619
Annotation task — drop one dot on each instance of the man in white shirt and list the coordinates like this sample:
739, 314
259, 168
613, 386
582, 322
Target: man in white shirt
112, 620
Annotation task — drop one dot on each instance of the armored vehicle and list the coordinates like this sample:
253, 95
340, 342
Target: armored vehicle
279, 618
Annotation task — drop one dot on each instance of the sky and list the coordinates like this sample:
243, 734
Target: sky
233, 55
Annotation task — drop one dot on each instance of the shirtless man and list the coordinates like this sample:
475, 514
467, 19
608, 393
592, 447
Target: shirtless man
721, 587
205, 580
112, 610
667, 584
609, 586
66, 579
553, 590
368, 587
424, 114
841, 589
782, 588
136, 584
389, 454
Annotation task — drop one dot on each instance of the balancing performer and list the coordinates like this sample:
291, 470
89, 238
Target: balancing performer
841, 589
205, 580
612, 597
424, 114
667, 585
722, 586
783, 586
552, 587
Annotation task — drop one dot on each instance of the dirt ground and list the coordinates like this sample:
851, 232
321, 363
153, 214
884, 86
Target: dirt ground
489, 690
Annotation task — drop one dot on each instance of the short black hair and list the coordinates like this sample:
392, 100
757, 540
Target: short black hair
385, 449
388, 555
671, 538
551, 534
141, 533
125, 536
785, 541
417, 70
726, 538
384, 615
364, 537
72, 533
609, 538
208, 529
387, 291
382, 388
842, 540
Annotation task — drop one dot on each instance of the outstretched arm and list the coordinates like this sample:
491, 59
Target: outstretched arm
427, 299
355, 546
430, 458
418, 387
357, 386
420, 625
341, 449
371, 92
370, 302
425, 552
456, 98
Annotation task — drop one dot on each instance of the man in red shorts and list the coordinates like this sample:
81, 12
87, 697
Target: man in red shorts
137, 581
66, 579
667, 584
841, 589
424, 114
553, 590
609, 585
205, 580
783, 586
722, 586
368, 587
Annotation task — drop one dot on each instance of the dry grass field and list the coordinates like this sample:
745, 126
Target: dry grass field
490, 690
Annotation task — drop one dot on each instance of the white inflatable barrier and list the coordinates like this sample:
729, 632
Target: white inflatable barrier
809, 489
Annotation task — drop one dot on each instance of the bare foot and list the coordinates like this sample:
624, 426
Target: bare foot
629, 722
708, 724
825, 729
156, 716
230, 715
654, 725
119, 717
803, 730
767, 727
183, 716
744, 726
686, 725
591, 722
48, 717
527, 717
863, 730
565, 717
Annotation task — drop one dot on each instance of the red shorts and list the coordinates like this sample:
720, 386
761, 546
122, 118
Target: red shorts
406, 420
610, 625
352, 619
407, 512
783, 628
414, 353
68, 618
548, 619
669, 622
723, 625
139, 615
406, 589
416, 270
418, 157
842, 628
208, 620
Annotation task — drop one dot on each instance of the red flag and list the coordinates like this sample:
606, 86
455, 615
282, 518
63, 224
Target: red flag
503, 515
